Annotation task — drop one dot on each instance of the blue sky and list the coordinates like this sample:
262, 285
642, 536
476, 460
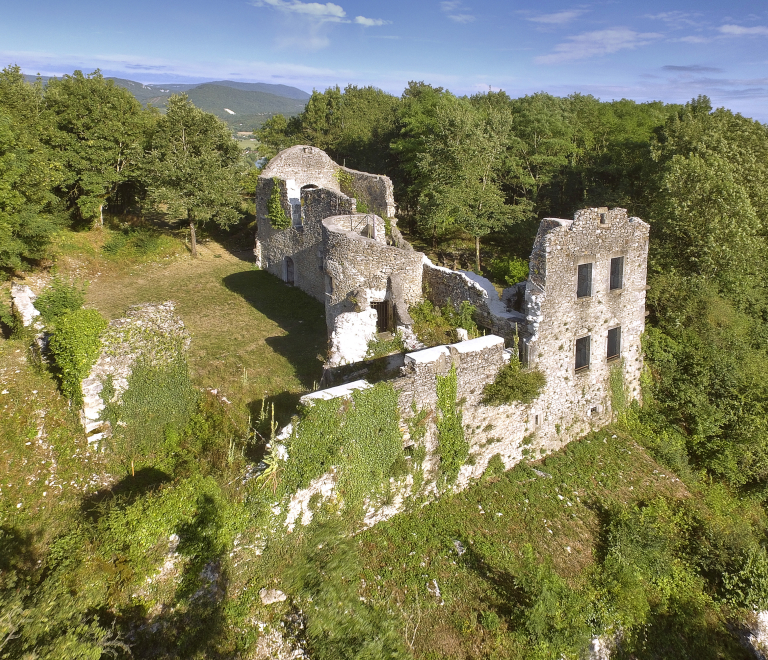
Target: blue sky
669, 50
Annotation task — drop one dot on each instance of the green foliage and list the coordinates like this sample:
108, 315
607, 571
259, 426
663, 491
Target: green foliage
618, 389
152, 411
278, 218
451, 443
362, 438
514, 384
495, 467
339, 624
58, 299
96, 129
381, 348
28, 206
747, 587
75, 346
193, 166
434, 325
508, 270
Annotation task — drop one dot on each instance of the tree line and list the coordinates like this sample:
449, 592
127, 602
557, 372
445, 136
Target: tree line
81, 144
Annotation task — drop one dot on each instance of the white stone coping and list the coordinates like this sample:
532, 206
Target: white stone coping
335, 392
478, 344
429, 355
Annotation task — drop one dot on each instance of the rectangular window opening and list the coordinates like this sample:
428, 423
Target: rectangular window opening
614, 343
584, 286
617, 273
582, 353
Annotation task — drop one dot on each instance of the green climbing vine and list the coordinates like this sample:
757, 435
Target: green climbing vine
360, 437
75, 346
277, 216
451, 444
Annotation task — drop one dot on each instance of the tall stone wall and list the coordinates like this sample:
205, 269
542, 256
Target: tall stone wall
576, 400
302, 243
375, 190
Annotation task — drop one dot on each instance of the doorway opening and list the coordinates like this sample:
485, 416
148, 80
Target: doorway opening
289, 270
383, 315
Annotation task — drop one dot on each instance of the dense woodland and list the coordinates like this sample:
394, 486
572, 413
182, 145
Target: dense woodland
672, 575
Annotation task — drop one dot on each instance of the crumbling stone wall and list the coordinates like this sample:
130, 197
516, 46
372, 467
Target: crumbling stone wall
152, 331
375, 189
443, 285
575, 401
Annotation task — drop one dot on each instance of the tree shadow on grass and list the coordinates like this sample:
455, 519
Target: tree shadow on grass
194, 624
298, 314
126, 491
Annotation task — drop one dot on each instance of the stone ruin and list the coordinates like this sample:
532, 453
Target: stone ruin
578, 317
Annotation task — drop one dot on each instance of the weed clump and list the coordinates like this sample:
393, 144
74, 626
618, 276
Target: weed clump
513, 384
59, 299
435, 325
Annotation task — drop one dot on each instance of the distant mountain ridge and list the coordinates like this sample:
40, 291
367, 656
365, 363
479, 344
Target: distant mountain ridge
244, 106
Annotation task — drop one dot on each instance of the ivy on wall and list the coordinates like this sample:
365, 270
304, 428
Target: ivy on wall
451, 444
361, 437
275, 212
75, 346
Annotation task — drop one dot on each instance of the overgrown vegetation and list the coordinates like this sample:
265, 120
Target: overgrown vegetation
277, 216
75, 346
437, 325
452, 446
513, 384
58, 299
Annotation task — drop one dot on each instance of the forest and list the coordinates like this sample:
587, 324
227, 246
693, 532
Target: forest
674, 566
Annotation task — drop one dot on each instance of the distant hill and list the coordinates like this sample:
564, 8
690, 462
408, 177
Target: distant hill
250, 104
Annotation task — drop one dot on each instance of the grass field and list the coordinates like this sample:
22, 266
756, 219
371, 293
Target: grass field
253, 336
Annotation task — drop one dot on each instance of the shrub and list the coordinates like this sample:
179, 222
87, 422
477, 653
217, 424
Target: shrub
513, 384
75, 346
133, 242
277, 216
508, 270
434, 326
378, 348
59, 299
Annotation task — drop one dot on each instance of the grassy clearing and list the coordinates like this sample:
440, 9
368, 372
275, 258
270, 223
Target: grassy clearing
253, 337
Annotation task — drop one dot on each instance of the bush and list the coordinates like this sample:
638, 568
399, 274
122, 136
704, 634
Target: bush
75, 346
512, 384
59, 299
434, 326
133, 242
508, 270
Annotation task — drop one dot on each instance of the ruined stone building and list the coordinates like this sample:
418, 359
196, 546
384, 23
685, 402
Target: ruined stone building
578, 317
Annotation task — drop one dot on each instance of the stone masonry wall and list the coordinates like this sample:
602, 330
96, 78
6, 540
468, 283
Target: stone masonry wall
575, 401
303, 244
306, 166
375, 190
454, 286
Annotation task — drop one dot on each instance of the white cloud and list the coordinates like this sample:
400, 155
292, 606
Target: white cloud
739, 30
596, 44
693, 40
328, 11
370, 22
456, 11
558, 18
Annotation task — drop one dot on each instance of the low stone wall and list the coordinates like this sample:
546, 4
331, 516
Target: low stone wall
150, 331
443, 286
